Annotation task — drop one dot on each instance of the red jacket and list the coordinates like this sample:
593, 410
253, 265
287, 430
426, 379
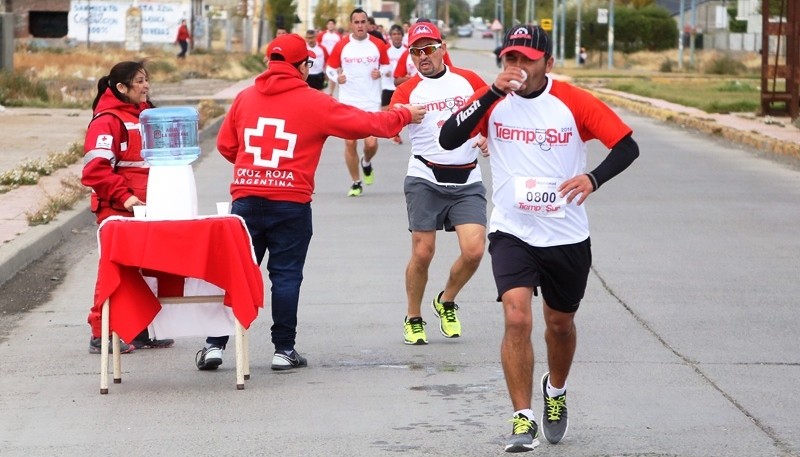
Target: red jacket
183, 33
275, 130
112, 163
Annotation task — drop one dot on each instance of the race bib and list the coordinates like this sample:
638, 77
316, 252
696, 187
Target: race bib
538, 197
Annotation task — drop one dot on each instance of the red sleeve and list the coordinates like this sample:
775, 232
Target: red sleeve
319, 38
101, 145
401, 69
227, 138
383, 57
336, 54
350, 123
402, 94
474, 80
594, 118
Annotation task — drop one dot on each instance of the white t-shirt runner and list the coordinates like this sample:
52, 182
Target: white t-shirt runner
357, 59
387, 82
536, 144
441, 97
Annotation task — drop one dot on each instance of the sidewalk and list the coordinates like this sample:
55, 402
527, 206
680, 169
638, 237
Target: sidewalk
30, 133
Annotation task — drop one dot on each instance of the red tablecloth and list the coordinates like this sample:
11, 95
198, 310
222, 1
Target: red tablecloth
215, 249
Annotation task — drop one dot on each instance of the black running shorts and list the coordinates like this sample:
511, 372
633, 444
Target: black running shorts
560, 271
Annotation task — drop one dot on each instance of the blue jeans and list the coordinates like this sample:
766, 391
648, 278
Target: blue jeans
284, 229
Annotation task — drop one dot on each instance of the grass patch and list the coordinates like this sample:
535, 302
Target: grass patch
29, 171
71, 191
709, 95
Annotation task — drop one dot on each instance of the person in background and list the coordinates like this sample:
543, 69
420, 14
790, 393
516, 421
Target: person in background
316, 74
582, 56
374, 30
443, 188
394, 51
280, 30
328, 40
268, 132
183, 38
113, 166
356, 63
537, 130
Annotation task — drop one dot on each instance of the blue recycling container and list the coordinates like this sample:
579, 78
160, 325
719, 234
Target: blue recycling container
170, 135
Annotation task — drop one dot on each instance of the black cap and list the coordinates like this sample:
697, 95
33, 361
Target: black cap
531, 40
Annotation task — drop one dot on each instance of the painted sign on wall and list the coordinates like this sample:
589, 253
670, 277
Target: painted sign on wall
105, 21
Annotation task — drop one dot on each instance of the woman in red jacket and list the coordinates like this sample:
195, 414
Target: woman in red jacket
113, 165
183, 38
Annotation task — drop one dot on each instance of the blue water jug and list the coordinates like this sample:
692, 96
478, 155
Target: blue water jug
170, 135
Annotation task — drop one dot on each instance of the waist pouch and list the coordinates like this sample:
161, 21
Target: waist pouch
456, 174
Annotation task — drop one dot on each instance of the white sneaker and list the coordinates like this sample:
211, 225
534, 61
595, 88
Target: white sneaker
208, 358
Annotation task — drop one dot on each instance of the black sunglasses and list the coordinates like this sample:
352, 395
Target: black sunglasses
310, 63
428, 50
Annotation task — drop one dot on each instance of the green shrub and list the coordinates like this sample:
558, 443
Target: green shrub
253, 63
725, 65
666, 66
16, 88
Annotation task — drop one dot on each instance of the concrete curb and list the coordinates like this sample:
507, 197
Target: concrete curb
41, 239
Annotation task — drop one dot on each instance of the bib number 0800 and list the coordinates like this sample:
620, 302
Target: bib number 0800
541, 197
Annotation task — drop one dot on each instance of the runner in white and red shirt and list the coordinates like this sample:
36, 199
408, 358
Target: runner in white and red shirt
328, 40
537, 130
394, 51
356, 63
316, 74
443, 188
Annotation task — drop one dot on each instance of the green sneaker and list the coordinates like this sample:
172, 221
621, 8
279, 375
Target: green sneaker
524, 434
448, 321
554, 419
355, 190
369, 174
414, 331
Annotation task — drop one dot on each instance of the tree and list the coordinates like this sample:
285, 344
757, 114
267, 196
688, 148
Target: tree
326, 9
281, 13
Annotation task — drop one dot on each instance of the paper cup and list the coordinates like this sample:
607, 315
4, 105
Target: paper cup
223, 207
139, 211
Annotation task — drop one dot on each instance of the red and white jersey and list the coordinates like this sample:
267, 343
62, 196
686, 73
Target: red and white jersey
387, 82
357, 59
405, 66
328, 40
441, 97
535, 145
319, 61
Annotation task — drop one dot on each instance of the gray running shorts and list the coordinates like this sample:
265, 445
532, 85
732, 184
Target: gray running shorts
435, 207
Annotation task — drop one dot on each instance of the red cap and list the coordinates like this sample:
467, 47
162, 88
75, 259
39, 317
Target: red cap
292, 47
423, 30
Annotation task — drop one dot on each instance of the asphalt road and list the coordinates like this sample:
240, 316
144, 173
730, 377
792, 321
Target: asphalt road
688, 335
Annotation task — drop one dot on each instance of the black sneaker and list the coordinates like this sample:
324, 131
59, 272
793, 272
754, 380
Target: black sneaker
208, 358
151, 343
283, 360
94, 346
554, 419
524, 434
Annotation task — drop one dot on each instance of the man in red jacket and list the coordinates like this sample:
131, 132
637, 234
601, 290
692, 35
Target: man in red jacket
275, 152
183, 39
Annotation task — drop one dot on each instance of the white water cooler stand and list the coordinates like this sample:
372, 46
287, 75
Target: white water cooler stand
171, 192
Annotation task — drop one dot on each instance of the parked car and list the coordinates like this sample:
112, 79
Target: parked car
487, 34
464, 31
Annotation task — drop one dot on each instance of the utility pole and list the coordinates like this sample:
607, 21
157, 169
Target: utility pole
611, 35
554, 36
692, 35
680, 35
578, 33
562, 47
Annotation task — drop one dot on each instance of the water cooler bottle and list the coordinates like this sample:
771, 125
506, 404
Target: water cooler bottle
170, 143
